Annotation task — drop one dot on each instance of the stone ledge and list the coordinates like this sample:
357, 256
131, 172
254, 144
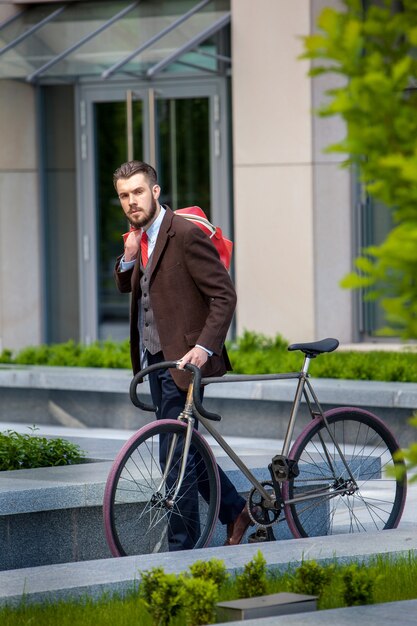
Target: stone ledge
329, 390
37, 505
52, 488
97, 577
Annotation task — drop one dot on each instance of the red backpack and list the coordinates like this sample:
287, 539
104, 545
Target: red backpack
223, 246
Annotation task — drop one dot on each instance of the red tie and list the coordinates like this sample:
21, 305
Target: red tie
144, 248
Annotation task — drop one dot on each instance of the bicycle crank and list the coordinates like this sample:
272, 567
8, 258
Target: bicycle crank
261, 513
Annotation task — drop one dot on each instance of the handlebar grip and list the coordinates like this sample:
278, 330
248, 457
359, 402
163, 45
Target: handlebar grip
196, 394
138, 378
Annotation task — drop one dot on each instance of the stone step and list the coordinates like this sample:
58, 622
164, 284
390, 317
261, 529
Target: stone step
97, 577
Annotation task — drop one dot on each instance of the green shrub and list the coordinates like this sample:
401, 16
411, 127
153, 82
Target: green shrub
162, 594
70, 354
106, 354
253, 581
28, 451
6, 356
359, 584
409, 456
199, 598
311, 578
400, 571
214, 570
252, 353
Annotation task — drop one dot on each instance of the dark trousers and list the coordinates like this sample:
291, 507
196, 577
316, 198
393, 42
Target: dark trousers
170, 401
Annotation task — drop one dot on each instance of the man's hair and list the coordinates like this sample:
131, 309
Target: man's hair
135, 167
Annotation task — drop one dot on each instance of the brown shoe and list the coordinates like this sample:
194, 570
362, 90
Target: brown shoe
236, 529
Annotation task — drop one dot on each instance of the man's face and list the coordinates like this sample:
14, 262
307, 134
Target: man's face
139, 201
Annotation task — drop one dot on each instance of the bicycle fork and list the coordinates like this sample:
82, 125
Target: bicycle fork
185, 416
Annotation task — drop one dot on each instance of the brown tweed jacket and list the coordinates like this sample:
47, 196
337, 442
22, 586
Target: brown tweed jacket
191, 293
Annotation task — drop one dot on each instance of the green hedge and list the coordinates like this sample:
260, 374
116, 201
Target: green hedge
70, 354
28, 451
251, 353
150, 603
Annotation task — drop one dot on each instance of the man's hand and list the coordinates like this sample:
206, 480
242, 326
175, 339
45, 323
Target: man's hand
132, 245
196, 356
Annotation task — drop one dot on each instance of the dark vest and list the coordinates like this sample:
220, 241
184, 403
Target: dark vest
147, 327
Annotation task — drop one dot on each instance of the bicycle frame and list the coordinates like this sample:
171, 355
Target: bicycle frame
303, 383
343, 455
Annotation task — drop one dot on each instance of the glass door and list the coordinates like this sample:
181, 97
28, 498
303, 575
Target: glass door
175, 128
183, 152
118, 127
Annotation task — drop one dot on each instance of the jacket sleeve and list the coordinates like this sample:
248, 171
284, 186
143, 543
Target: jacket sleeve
214, 283
123, 279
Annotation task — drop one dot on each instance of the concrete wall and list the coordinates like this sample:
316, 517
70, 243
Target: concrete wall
21, 302
292, 203
332, 214
273, 174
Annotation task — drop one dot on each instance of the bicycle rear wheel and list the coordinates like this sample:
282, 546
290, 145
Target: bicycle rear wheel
329, 500
139, 515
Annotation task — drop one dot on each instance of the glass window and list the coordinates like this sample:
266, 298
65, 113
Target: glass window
184, 152
377, 223
111, 148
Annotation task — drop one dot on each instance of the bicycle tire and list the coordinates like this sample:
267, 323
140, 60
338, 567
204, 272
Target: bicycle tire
369, 446
136, 517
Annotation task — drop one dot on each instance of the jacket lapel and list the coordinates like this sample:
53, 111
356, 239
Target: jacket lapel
165, 232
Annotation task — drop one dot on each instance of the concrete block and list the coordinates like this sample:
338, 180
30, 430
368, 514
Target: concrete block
266, 606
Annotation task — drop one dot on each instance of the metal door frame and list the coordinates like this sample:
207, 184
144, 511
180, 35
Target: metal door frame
216, 89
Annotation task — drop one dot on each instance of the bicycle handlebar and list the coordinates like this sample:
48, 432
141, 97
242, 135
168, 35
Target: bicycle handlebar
138, 378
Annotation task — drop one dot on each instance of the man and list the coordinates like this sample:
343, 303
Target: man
181, 307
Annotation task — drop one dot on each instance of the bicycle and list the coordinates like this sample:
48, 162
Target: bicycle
338, 476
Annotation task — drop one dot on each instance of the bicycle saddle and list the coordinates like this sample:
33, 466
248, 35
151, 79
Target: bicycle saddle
315, 347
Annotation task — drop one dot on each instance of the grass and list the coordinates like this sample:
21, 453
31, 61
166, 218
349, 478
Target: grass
395, 580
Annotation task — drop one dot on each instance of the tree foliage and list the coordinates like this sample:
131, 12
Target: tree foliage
375, 51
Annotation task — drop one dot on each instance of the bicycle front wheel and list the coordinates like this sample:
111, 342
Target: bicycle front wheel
140, 514
326, 497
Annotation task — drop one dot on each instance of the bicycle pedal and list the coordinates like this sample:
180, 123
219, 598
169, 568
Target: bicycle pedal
259, 536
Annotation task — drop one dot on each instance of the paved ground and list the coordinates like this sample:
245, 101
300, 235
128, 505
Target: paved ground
94, 577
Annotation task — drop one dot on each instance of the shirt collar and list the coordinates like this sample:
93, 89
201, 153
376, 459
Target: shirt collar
153, 229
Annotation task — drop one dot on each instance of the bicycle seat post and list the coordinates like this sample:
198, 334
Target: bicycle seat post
306, 365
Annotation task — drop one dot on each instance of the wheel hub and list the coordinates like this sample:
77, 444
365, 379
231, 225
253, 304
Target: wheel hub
159, 501
346, 487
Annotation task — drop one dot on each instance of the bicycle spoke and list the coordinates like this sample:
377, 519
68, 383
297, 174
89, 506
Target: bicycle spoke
358, 500
140, 513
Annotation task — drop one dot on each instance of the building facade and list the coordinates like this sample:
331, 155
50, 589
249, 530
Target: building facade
214, 94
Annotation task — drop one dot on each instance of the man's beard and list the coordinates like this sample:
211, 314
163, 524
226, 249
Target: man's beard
142, 220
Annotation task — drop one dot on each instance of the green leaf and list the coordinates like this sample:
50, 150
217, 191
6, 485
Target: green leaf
401, 70
329, 20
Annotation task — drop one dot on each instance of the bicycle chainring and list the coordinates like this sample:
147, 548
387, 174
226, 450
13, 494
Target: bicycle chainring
260, 514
